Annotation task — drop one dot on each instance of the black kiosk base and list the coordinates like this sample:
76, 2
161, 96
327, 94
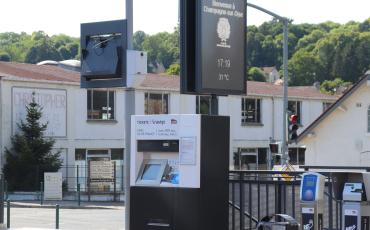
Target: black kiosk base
177, 208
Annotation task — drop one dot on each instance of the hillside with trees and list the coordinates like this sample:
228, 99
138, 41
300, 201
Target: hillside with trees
317, 52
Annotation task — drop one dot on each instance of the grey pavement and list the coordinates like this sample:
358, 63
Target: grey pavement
90, 215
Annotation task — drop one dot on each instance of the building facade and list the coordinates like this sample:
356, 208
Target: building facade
89, 124
340, 136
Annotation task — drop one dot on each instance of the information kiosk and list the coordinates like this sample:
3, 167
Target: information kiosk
312, 201
179, 172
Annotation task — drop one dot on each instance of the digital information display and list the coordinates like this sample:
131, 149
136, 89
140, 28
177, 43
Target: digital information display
222, 40
309, 188
213, 47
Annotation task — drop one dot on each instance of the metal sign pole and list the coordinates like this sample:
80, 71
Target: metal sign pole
284, 149
129, 110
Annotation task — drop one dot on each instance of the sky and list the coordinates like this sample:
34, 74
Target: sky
152, 16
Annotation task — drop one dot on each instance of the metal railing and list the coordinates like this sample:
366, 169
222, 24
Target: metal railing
255, 194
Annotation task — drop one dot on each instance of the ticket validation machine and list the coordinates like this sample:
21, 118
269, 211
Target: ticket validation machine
353, 195
179, 172
312, 201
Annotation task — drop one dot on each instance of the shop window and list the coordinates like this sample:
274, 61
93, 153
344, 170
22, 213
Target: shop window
100, 105
294, 107
203, 104
251, 111
156, 103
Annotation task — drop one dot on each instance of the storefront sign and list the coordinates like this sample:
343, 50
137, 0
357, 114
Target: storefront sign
53, 104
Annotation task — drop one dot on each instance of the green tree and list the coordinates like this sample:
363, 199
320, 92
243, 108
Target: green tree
31, 153
255, 74
305, 69
174, 69
43, 50
4, 56
138, 39
331, 87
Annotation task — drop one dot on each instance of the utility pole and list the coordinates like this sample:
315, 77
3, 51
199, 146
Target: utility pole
129, 110
285, 21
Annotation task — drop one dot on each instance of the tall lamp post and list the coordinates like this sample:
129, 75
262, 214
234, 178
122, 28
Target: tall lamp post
285, 21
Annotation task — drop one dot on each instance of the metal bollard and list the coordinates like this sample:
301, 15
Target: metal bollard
42, 193
7, 213
57, 216
79, 194
6, 189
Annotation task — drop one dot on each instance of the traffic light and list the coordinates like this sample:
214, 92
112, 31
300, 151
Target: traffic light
293, 128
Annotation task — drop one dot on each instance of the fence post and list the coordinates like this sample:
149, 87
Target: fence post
77, 175
78, 194
114, 181
330, 190
122, 179
88, 181
242, 201
2, 199
6, 189
7, 213
57, 216
41, 193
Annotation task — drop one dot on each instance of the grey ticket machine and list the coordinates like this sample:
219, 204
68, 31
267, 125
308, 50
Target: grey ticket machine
353, 207
179, 172
352, 188
312, 201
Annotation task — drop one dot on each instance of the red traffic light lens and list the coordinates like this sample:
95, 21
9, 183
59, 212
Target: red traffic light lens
293, 119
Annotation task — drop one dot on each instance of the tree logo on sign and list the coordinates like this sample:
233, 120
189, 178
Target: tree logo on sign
223, 31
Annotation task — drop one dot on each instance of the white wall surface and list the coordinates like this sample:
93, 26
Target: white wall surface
341, 139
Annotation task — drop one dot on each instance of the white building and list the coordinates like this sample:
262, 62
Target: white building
340, 136
90, 124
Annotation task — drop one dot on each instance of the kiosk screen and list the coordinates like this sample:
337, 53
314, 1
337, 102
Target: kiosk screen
151, 171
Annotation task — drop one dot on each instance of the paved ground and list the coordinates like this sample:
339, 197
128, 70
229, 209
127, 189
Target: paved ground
29, 215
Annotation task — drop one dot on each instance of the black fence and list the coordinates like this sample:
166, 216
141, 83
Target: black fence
255, 194
79, 182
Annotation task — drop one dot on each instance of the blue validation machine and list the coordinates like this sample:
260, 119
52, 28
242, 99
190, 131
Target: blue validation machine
312, 201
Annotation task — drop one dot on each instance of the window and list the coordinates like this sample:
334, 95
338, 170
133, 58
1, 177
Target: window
116, 154
203, 104
326, 105
156, 103
251, 110
294, 107
250, 158
100, 105
297, 156
80, 154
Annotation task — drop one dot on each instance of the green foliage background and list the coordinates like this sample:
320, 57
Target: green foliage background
317, 52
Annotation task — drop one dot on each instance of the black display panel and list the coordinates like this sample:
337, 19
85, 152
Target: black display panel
213, 45
103, 54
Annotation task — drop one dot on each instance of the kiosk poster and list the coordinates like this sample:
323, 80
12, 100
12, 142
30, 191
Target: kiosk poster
350, 219
157, 127
308, 218
222, 41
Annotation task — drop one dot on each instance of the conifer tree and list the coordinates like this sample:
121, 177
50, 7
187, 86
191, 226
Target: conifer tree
31, 153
